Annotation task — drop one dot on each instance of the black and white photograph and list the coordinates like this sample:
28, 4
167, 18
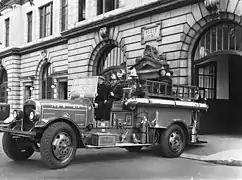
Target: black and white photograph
120, 89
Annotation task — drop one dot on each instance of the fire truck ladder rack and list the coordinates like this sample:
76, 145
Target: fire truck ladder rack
171, 91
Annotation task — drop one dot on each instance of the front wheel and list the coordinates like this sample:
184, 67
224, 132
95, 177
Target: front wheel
14, 148
58, 145
173, 141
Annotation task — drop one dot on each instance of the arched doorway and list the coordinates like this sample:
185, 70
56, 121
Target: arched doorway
46, 81
217, 66
3, 85
109, 58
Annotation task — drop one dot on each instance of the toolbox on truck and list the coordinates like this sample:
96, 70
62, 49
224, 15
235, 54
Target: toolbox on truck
103, 139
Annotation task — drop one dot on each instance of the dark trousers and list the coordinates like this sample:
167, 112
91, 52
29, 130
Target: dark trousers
102, 112
108, 109
99, 111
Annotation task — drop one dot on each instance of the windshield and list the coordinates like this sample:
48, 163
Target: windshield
84, 87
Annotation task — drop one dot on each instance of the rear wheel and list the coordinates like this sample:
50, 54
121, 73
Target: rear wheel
173, 141
58, 145
14, 148
134, 149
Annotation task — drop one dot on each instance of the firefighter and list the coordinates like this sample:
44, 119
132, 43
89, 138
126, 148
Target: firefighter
101, 99
115, 93
165, 77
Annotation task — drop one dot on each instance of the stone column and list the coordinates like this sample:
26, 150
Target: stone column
12, 65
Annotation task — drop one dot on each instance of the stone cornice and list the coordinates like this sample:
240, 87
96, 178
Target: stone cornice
9, 3
43, 45
32, 48
10, 52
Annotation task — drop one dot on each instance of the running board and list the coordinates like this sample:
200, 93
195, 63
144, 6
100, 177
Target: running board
120, 145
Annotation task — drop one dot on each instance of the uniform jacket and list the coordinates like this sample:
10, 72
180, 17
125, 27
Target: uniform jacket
102, 93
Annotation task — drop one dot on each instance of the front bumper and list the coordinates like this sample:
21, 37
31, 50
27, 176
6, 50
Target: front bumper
17, 132
3, 125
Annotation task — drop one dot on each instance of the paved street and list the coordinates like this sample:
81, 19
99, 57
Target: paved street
117, 164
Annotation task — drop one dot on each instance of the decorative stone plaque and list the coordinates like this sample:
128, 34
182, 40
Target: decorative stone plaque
151, 33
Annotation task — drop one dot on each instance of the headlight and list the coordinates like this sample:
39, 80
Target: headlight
14, 113
17, 114
31, 115
34, 116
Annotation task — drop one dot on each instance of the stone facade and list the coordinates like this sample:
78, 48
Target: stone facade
76, 51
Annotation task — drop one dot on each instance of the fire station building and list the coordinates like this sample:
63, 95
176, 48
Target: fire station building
46, 44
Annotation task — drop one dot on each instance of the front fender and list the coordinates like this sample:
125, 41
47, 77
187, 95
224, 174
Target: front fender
44, 123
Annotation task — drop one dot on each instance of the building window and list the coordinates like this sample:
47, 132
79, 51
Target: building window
64, 15
110, 60
30, 28
3, 85
47, 81
62, 89
223, 36
46, 14
7, 31
206, 80
27, 92
81, 10
106, 6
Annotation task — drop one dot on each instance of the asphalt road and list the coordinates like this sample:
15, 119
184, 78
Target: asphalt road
117, 164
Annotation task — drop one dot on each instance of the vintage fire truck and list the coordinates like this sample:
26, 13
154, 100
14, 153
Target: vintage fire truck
164, 115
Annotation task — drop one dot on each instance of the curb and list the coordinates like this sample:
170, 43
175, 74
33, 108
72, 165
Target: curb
225, 162
192, 156
203, 158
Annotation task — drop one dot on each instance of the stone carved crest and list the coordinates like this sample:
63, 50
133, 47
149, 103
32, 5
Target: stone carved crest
212, 6
44, 55
153, 53
104, 32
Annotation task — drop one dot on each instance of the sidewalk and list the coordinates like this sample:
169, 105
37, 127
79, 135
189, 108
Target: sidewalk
220, 149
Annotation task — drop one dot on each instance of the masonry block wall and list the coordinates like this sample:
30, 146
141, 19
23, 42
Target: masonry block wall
12, 65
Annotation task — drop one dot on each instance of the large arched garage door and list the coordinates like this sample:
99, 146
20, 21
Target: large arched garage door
218, 62
109, 59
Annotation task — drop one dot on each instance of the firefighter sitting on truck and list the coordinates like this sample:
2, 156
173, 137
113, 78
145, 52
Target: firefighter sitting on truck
136, 85
115, 93
165, 77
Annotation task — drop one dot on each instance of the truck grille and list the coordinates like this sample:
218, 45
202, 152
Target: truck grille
27, 110
27, 124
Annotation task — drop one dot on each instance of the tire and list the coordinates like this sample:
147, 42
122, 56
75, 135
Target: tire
13, 150
168, 148
58, 145
134, 149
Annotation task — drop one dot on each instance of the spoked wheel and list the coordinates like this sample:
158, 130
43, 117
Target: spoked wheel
173, 141
134, 149
14, 148
58, 145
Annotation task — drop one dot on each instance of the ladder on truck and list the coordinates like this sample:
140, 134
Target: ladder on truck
171, 91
